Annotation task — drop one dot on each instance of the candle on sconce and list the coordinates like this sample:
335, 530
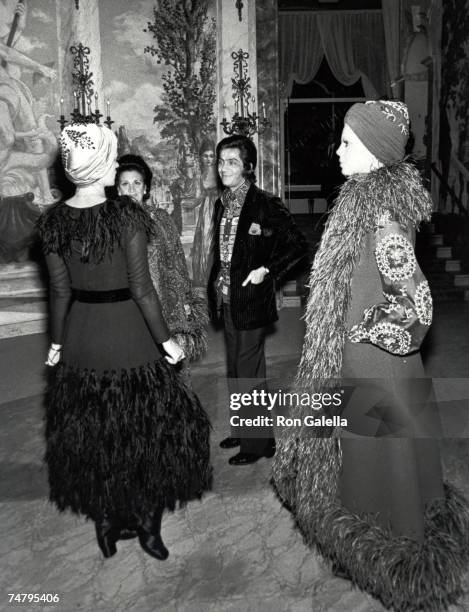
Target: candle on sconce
61, 107
96, 101
253, 104
75, 101
226, 112
263, 110
108, 107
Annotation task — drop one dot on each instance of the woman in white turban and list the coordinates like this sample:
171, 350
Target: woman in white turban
125, 440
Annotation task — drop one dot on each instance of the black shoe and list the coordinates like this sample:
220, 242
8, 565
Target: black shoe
107, 536
247, 458
149, 536
230, 442
244, 458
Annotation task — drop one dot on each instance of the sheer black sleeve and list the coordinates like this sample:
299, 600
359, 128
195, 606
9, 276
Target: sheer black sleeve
59, 295
141, 286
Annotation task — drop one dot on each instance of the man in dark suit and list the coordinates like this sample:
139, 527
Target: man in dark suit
255, 243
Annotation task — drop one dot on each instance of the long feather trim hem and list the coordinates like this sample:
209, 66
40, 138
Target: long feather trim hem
124, 443
303, 464
405, 575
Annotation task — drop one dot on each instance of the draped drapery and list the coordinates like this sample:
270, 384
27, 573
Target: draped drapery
353, 43
301, 50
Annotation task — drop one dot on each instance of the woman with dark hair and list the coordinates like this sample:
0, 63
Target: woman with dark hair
372, 499
185, 312
125, 439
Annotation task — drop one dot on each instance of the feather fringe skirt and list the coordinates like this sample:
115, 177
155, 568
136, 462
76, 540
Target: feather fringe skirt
405, 575
122, 443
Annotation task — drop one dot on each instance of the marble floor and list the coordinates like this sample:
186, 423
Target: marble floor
235, 551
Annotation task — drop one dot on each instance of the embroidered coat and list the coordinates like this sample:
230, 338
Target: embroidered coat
372, 499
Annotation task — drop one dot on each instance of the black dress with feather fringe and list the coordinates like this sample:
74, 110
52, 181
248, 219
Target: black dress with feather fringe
124, 435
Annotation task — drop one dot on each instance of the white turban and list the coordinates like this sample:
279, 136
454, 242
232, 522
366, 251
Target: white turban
88, 152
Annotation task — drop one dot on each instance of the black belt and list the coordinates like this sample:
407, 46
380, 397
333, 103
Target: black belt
102, 297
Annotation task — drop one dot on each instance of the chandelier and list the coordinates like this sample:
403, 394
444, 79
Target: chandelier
84, 96
243, 121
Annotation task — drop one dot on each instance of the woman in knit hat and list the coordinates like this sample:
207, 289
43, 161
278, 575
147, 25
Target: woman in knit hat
125, 439
372, 499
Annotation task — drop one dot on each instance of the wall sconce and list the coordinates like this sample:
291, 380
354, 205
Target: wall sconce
243, 121
83, 92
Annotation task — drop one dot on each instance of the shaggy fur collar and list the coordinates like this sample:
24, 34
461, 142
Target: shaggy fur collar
99, 228
396, 191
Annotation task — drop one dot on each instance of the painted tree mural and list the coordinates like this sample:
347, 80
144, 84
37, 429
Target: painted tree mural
185, 42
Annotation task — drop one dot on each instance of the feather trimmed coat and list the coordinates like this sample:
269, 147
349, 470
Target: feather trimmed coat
371, 498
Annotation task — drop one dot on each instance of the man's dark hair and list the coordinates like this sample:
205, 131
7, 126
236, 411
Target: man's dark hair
137, 163
247, 152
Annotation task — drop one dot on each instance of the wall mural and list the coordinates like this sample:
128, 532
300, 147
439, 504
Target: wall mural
163, 92
27, 143
159, 73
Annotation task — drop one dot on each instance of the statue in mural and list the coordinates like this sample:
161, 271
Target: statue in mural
185, 190
208, 186
27, 146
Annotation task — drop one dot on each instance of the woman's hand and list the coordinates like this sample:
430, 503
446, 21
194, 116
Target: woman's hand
175, 352
53, 356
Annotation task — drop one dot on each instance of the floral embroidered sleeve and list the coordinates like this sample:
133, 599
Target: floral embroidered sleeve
399, 324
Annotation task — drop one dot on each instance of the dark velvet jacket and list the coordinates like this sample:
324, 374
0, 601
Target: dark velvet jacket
278, 247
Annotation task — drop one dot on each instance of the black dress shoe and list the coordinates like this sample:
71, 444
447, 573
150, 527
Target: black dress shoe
230, 442
246, 458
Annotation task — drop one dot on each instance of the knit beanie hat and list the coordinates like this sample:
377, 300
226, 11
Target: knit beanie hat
382, 126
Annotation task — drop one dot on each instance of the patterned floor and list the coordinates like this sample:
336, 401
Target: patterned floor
237, 550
